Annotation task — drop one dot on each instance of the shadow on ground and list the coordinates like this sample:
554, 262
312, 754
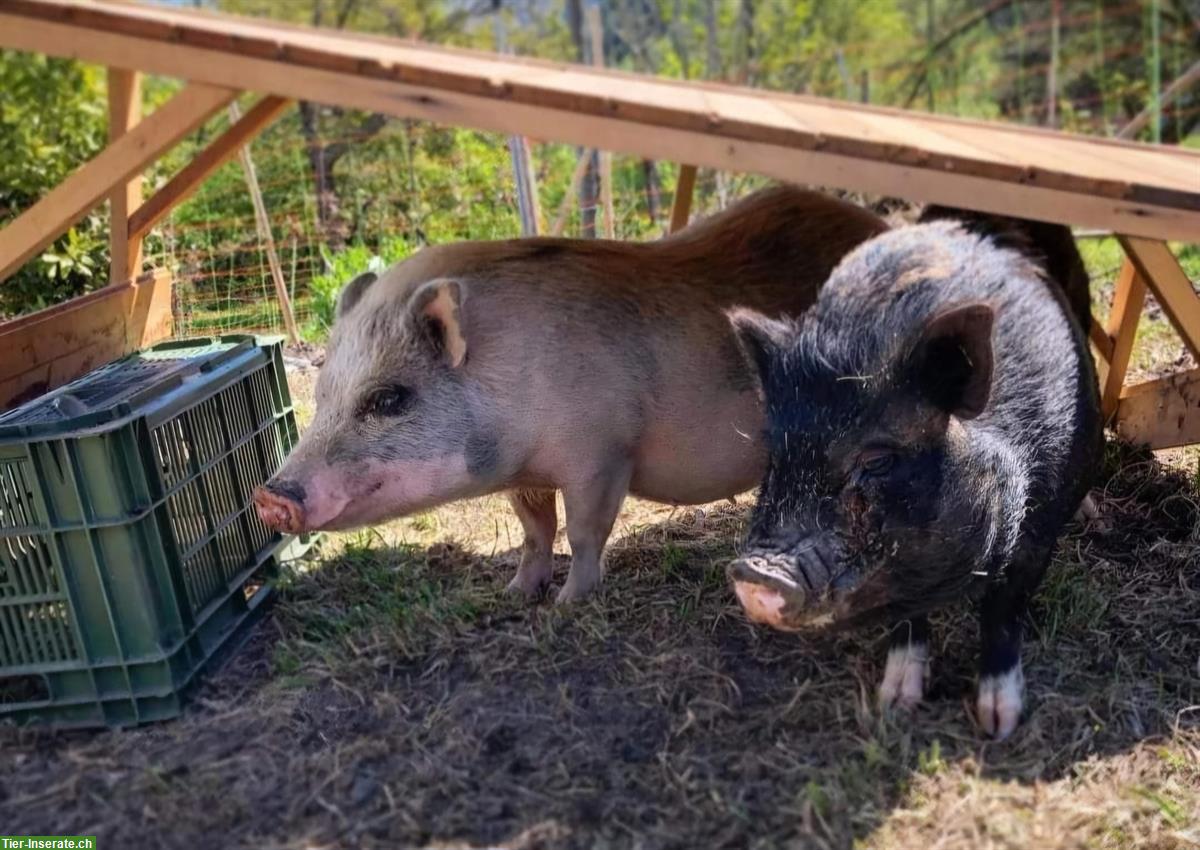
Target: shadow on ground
396, 697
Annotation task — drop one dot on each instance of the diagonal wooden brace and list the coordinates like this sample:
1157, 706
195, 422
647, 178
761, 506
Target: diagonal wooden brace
1170, 285
39, 225
221, 150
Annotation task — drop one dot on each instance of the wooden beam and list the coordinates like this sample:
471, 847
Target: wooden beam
1048, 176
51, 347
124, 111
180, 187
1170, 286
1128, 300
1162, 413
681, 206
35, 228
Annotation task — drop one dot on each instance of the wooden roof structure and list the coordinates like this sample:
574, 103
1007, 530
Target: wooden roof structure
1145, 194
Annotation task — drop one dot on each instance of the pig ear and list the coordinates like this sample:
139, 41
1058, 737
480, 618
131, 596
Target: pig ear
760, 338
353, 291
953, 359
437, 308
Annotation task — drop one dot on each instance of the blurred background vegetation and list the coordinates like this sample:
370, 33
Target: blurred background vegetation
343, 187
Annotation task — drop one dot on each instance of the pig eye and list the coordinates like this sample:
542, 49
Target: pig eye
876, 461
387, 401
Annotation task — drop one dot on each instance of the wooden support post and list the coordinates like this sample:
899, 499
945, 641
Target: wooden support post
682, 206
595, 25
1170, 285
263, 225
224, 148
568, 201
39, 225
124, 111
1128, 300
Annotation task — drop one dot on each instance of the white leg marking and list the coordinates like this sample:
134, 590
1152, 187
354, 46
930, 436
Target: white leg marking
904, 677
1087, 509
1000, 701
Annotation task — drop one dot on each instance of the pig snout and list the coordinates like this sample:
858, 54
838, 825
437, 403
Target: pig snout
280, 506
785, 590
767, 588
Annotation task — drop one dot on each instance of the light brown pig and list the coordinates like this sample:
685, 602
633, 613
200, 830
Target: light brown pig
593, 367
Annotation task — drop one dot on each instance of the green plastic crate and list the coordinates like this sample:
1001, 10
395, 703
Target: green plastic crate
130, 551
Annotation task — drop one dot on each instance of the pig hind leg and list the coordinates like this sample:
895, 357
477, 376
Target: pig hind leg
1001, 679
591, 505
539, 519
907, 667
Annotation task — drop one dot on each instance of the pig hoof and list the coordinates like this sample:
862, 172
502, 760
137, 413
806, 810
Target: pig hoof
529, 586
573, 591
904, 677
1000, 701
1087, 510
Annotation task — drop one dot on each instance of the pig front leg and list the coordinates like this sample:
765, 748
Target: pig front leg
1001, 680
591, 506
907, 667
539, 519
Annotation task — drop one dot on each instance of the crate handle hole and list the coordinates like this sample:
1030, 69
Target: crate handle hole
15, 690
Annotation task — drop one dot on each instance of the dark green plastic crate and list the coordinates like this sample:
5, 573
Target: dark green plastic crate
130, 551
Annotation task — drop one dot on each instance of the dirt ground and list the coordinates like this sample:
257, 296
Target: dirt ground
395, 697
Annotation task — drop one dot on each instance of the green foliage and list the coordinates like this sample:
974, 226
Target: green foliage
52, 118
342, 267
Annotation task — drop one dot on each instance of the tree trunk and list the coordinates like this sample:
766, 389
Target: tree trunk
712, 46
321, 167
1052, 74
652, 186
589, 189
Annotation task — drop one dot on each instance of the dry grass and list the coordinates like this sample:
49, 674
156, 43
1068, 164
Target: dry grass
397, 698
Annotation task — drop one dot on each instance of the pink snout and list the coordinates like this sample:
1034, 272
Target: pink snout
762, 604
279, 511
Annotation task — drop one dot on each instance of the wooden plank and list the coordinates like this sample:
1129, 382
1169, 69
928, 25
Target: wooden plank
220, 151
1128, 301
35, 228
681, 207
124, 111
368, 53
1170, 286
790, 137
49, 348
1162, 413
